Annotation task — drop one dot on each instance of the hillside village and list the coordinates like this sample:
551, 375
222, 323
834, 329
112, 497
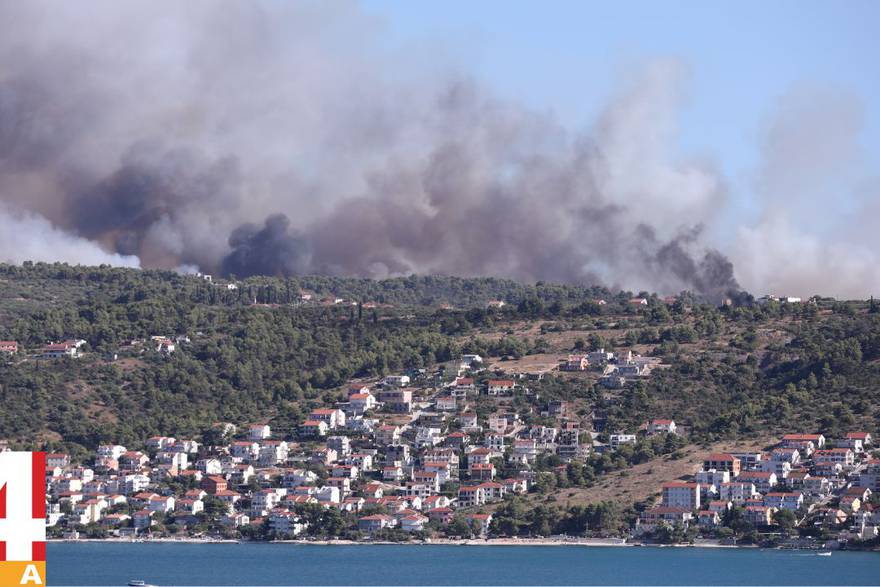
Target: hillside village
433, 408
408, 457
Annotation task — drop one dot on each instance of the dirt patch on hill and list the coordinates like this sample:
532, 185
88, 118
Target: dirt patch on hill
128, 363
540, 363
643, 481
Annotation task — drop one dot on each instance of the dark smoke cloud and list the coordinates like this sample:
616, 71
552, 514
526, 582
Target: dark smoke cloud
151, 202
711, 275
279, 138
268, 250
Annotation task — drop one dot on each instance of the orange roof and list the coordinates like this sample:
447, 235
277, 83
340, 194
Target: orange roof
721, 457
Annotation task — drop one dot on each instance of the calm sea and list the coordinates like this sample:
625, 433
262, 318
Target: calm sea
102, 564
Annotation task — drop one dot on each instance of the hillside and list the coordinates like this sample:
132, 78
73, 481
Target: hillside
723, 373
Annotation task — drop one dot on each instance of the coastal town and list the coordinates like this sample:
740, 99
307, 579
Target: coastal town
435, 455
538, 424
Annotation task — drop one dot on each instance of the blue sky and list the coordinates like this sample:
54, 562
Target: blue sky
567, 56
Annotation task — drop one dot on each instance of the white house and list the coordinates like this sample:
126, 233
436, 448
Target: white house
396, 380
259, 431
615, 441
332, 417
660, 426
500, 386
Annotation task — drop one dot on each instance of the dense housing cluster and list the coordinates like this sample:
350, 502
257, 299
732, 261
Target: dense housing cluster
408, 455
804, 482
415, 452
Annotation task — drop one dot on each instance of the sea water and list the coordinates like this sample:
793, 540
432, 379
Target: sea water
164, 564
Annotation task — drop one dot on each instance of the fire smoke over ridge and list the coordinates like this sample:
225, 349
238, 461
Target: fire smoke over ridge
279, 138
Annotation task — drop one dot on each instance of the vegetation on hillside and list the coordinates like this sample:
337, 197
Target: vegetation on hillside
731, 371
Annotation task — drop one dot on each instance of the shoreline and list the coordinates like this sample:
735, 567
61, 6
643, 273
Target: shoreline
587, 542
494, 542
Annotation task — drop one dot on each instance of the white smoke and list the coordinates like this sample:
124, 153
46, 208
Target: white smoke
25, 236
818, 200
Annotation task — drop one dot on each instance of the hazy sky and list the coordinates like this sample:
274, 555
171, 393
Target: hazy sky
567, 57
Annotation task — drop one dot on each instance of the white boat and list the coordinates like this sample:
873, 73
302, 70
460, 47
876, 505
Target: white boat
824, 553
139, 583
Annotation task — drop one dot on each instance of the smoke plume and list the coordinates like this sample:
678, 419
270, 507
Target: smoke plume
28, 237
820, 200
283, 138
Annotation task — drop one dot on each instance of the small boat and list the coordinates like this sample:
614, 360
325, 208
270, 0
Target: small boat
824, 553
139, 583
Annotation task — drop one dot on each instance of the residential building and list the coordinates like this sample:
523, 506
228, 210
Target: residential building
396, 400
387, 434
259, 431
651, 518
722, 462
615, 441
736, 492
371, 524
681, 495
784, 501
469, 496
500, 387
361, 402
575, 363
396, 381
843, 456
314, 428
661, 427
764, 481
568, 441
792, 440
341, 444
759, 515
332, 417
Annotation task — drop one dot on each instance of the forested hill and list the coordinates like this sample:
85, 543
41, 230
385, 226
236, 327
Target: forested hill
729, 371
38, 285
